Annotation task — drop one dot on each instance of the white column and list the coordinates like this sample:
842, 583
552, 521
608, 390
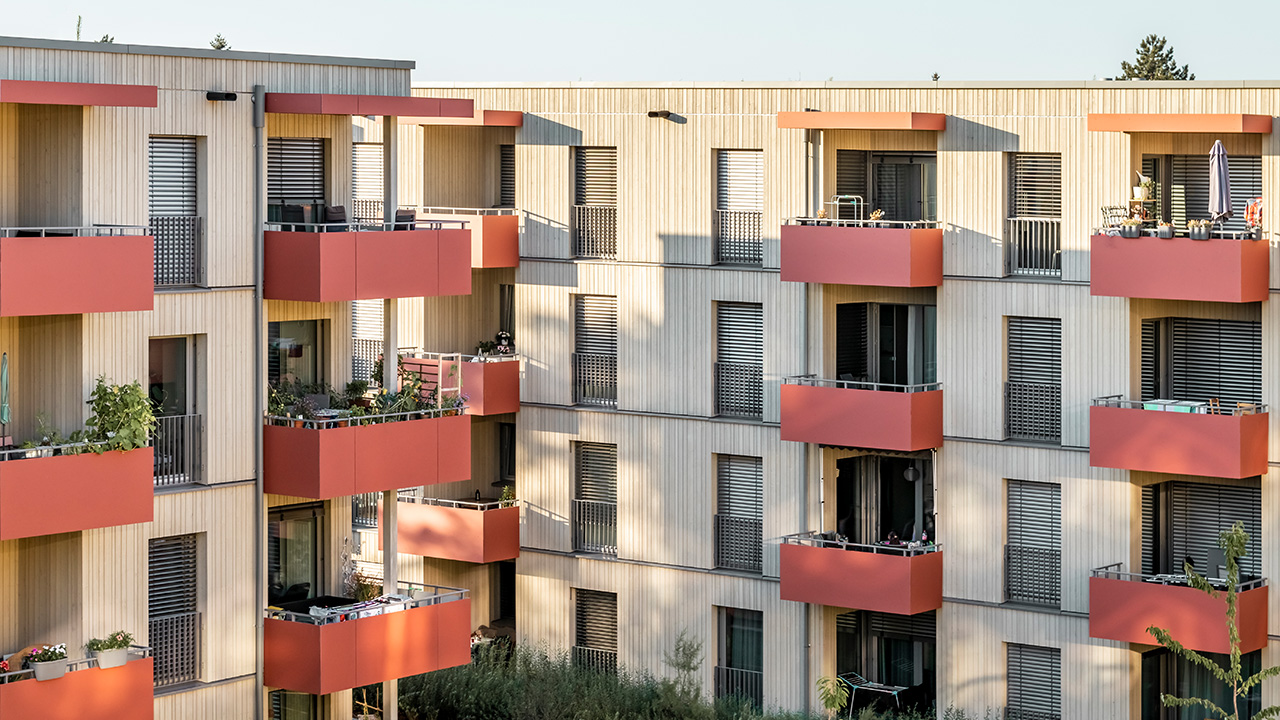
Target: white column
390, 167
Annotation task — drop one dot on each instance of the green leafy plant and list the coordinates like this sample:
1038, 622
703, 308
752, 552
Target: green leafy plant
685, 658
118, 640
361, 587
508, 496
121, 417
49, 653
833, 694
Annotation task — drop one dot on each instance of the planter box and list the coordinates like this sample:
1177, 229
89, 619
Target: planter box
495, 239
1230, 446
87, 694
449, 533
1217, 270
1124, 609
341, 266
887, 257
75, 275
891, 583
862, 418
321, 659
68, 493
341, 461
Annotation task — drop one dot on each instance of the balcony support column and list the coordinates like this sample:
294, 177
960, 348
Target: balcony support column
390, 503
390, 167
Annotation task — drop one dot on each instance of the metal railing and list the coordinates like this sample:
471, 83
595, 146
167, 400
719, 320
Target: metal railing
1182, 233
75, 231
1033, 246
338, 418
595, 231
815, 381
425, 210
1033, 411
1012, 713
605, 661
1113, 572
863, 223
1032, 575
358, 225
364, 509
175, 645
367, 210
364, 357
739, 543
409, 595
739, 390
45, 451
134, 652
481, 506
595, 527
595, 379
739, 239
179, 250
179, 450
748, 684
814, 538
1185, 406
457, 357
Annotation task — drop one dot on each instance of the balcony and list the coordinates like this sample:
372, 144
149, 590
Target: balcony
75, 270
495, 233
891, 579
1123, 605
1178, 437
862, 415
862, 252
490, 383
1220, 269
474, 532
67, 488
337, 262
336, 457
327, 644
86, 692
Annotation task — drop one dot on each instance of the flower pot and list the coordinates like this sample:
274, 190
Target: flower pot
51, 670
297, 423
112, 658
1165, 232
1199, 233
1256, 233
1130, 231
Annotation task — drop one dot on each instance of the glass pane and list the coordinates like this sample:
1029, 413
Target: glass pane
930, 181
897, 662
1196, 681
744, 639
292, 559
293, 351
929, 344
168, 376
286, 705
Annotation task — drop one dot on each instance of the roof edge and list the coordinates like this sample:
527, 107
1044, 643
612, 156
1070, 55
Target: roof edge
861, 85
210, 54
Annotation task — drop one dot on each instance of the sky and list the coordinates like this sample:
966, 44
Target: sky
672, 40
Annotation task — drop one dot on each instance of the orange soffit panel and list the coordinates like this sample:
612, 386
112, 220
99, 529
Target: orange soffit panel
38, 92
862, 120
329, 104
481, 118
1180, 123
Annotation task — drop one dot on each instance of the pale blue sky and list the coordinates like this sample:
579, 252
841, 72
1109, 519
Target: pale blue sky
551, 40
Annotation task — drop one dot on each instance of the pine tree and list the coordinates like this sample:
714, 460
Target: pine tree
219, 43
1154, 62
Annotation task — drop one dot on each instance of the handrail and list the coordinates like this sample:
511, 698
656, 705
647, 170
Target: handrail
1147, 231
424, 210
361, 225
1174, 579
837, 222
75, 230
1191, 407
811, 539
356, 610
135, 652
345, 420
815, 381
44, 451
444, 356
460, 504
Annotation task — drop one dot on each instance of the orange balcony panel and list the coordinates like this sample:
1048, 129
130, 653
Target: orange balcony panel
1214, 123
67, 493
321, 659
88, 694
383, 105
468, 534
862, 120
862, 418
1217, 270
841, 255
1124, 609
75, 275
492, 388
40, 92
477, 118
1230, 446
858, 580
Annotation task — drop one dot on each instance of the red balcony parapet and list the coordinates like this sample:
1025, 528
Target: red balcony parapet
1220, 269
880, 578
1180, 438
45, 494
76, 270
323, 459
862, 415
365, 643
43, 92
490, 384
85, 692
851, 252
495, 233
382, 105
1123, 605
828, 120
474, 532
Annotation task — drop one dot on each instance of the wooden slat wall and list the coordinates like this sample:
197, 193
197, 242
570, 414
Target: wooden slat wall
232, 700
456, 323
51, 163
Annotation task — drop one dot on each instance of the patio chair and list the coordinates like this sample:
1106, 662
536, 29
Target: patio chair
405, 219
336, 214
1243, 408
1112, 216
856, 682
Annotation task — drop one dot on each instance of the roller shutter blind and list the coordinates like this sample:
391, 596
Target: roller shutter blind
740, 180
1189, 188
1035, 683
597, 620
366, 171
1216, 359
1033, 393
851, 340
740, 333
1033, 555
172, 608
366, 319
1150, 531
507, 176
1035, 185
917, 627
295, 170
1150, 359
739, 512
596, 324
1199, 512
596, 173
597, 472
851, 179
172, 182
890, 179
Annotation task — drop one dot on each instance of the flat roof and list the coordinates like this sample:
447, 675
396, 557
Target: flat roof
861, 85
204, 53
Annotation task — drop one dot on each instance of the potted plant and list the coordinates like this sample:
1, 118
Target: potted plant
508, 497
1199, 229
1130, 228
876, 216
121, 417
111, 651
49, 662
354, 394
1164, 230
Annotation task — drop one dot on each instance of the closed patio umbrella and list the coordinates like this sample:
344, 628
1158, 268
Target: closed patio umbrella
4, 393
1219, 184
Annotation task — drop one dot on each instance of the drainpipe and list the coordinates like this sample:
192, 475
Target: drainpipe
259, 385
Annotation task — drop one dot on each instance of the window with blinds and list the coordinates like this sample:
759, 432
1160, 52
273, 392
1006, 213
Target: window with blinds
507, 176
367, 181
595, 637
1033, 551
1035, 683
295, 171
1215, 359
1181, 521
1189, 188
595, 200
739, 206
851, 179
595, 344
173, 609
851, 341
739, 367
595, 505
739, 518
1035, 185
1033, 388
173, 209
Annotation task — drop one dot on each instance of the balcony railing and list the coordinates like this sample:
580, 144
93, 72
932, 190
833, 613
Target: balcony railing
175, 642
739, 390
75, 231
342, 418
830, 540
738, 543
134, 652
605, 661
1033, 411
1182, 406
359, 225
595, 231
364, 509
1033, 246
595, 527
748, 684
409, 595
815, 381
364, 357
1032, 575
738, 237
595, 379
179, 451
179, 250
1011, 713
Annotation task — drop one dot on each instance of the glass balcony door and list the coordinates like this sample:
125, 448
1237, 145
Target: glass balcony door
879, 498
905, 186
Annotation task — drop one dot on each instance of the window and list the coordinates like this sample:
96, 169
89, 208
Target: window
740, 668
1033, 387
289, 705
367, 182
851, 184
296, 180
1182, 186
295, 553
890, 649
905, 185
889, 344
595, 505
177, 438
595, 202
507, 176
739, 367
1164, 672
1033, 232
595, 357
1035, 683
1181, 522
739, 518
507, 308
173, 609
296, 351
1033, 553
1202, 360
507, 452
879, 495
173, 201
595, 639
739, 206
